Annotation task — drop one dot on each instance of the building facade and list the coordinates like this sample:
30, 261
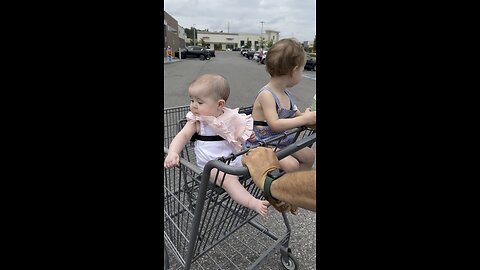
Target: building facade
170, 33
182, 37
175, 37
223, 41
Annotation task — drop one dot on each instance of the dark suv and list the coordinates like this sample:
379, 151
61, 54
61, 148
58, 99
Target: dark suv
195, 52
311, 63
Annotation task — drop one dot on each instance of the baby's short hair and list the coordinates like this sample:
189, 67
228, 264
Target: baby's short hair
284, 56
218, 85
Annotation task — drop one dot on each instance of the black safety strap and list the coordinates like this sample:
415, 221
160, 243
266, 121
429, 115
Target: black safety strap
260, 123
206, 138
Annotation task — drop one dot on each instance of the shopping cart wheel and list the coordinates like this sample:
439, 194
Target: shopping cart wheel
289, 263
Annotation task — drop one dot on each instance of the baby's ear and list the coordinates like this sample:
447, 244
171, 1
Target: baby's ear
221, 103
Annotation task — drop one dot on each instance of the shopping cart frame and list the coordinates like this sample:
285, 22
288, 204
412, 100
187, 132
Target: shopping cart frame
204, 186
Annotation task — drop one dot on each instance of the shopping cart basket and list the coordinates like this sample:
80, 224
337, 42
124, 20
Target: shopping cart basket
203, 227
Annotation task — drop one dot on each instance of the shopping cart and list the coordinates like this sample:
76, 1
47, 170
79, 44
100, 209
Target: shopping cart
203, 227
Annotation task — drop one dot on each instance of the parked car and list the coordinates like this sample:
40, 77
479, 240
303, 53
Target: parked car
249, 54
311, 63
256, 55
243, 51
196, 52
259, 55
264, 56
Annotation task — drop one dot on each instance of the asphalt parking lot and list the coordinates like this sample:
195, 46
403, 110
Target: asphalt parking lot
246, 77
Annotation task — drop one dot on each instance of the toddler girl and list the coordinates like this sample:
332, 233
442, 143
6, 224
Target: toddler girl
274, 109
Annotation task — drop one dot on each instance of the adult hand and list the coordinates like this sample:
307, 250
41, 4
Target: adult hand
260, 161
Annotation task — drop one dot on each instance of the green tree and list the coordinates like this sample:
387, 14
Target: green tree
270, 43
249, 44
262, 43
202, 42
315, 44
189, 33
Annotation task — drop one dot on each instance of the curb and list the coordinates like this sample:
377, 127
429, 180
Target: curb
165, 61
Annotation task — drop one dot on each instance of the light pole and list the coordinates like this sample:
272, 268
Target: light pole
261, 35
194, 34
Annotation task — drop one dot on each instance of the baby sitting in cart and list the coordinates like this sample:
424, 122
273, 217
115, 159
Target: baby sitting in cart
219, 131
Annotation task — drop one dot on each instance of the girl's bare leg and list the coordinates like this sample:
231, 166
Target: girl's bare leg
301, 160
289, 164
238, 193
305, 158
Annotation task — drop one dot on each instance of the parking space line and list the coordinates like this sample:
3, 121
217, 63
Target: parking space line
307, 76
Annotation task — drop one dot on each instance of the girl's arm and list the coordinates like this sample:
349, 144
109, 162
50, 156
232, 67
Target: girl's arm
298, 113
267, 103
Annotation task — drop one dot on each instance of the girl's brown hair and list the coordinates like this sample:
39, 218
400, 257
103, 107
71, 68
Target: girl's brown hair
284, 56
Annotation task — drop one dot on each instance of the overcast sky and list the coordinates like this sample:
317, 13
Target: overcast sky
292, 18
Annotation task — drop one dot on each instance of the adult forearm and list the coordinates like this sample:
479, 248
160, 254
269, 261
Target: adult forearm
297, 188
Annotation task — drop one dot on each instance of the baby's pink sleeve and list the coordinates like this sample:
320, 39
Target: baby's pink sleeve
190, 117
243, 125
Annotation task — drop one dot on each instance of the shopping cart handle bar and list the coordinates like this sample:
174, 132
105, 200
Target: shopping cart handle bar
307, 141
222, 166
282, 153
185, 163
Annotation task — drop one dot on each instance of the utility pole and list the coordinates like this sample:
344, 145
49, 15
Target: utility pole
261, 35
194, 34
